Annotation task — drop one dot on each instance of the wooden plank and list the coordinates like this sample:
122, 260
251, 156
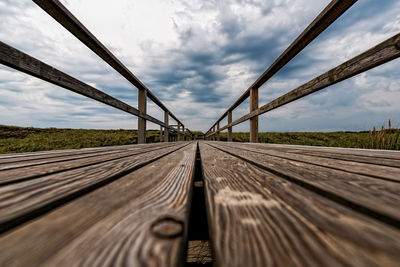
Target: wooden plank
119, 224
229, 128
18, 60
179, 132
37, 159
33, 171
369, 169
28, 199
374, 197
259, 219
166, 131
378, 55
330, 13
218, 132
371, 156
381, 157
142, 100
254, 120
62, 15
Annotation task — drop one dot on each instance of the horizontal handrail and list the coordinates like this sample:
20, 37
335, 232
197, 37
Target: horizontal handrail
18, 60
61, 14
330, 13
378, 55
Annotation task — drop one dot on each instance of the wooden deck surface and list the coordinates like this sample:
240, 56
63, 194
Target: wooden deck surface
266, 205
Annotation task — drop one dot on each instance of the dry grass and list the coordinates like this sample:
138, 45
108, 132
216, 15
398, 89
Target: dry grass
385, 138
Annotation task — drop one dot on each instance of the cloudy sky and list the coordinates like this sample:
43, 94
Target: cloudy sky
198, 57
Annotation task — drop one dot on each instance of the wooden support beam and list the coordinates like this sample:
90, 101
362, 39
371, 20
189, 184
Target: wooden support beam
63, 16
330, 13
213, 133
18, 60
142, 99
378, 55
254, 120
218, 131
161, 133
230, 128
166, 130
179, 132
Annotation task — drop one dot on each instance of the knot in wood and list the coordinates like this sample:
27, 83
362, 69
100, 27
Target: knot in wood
167, 227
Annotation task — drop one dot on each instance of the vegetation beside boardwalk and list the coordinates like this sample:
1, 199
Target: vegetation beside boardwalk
385, 138
27, 139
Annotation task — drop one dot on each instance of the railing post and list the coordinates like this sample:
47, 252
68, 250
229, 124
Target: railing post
179, 132
229, 128
217, 130
254, 121
142, 99
184, 135
213, 137
161, 132
166, 130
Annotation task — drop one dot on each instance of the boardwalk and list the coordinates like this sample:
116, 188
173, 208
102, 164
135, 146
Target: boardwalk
138, 205
200, 203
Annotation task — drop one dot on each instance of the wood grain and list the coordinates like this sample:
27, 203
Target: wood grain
27, 199
375, 157
114, 224
31, 171
37, 159
369, 169
377, 198
259, 219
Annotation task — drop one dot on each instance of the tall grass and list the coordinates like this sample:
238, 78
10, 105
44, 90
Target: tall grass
385, 138
28, 139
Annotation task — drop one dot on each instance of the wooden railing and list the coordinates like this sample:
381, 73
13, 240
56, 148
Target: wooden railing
378, 55
18, 60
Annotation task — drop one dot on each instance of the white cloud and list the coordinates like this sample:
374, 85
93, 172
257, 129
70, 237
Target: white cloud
198, 57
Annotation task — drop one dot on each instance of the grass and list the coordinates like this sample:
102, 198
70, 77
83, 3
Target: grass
20, 139
27, 139
385, 138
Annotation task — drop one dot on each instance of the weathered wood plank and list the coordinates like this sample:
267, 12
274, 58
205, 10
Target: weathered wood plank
370, 169
32, 160
259, 219
32, 171
375, 157
378, 55
77, 151
29, 198
377, 198
18, 60
389, 154
254, 120
118, 224
142, 105
229, 128
327, 16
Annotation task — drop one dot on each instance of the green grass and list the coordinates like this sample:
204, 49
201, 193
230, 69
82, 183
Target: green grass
331, 139
385, 138
21, 139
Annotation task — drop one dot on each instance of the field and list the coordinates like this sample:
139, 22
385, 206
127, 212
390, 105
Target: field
27, 139
21, 139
